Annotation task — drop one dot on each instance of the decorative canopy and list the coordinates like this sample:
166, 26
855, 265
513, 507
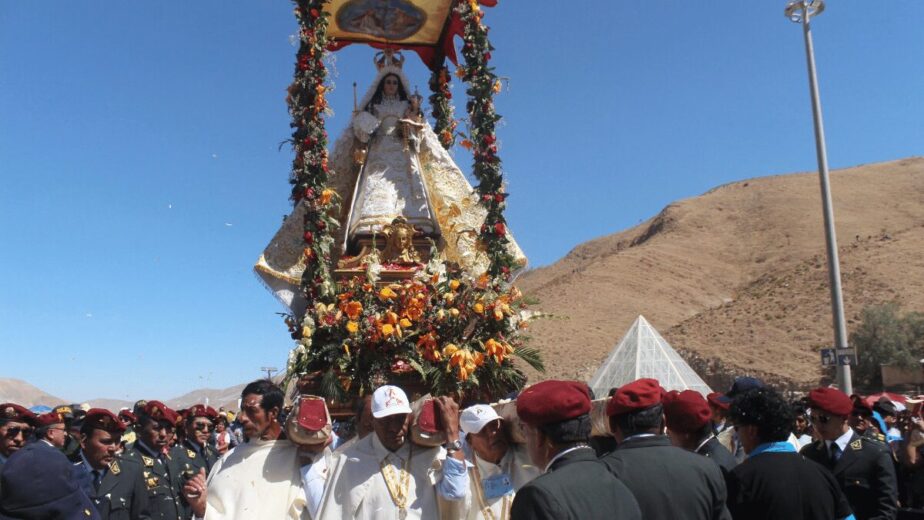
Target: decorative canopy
426, 27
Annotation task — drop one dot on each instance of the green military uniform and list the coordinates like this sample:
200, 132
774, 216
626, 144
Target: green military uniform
189, 458
161, 480
119, 494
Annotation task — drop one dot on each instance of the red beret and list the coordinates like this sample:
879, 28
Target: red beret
47, 419
103, 419
686, 411
127, 416
831, 400
715, 399
159, 411
200, 410
14, 412
553, 401
637, 395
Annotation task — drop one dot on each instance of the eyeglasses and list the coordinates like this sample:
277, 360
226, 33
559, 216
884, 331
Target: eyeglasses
821, 419
14, 432
203, 427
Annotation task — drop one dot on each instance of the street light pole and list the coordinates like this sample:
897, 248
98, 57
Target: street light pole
802, 11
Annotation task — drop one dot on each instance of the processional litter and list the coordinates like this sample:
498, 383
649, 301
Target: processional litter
393, 267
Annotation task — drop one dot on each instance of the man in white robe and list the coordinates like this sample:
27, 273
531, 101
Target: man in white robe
384, 476
259, 479
497, 467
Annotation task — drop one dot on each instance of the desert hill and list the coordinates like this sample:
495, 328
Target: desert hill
736, 278
20, 392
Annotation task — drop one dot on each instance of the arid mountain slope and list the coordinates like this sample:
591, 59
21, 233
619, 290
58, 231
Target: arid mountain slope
736, 278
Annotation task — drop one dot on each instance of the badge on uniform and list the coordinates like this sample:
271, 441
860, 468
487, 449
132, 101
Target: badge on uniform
152, 482
497, 486
857, 444
148, 461
114, 467
191, 454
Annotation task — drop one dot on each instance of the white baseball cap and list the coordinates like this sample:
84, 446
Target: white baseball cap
389, 400
475, 417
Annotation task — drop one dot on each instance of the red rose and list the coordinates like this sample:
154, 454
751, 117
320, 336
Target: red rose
321, 225
309, 237
309, 193
315, 13
500, 229
499, 198
486, 197
489, 139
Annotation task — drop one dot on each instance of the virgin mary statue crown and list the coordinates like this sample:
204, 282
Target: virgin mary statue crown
388, 58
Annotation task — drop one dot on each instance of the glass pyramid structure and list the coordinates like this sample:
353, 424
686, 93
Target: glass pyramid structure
642, 352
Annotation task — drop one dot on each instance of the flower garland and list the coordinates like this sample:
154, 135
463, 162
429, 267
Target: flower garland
445, 127
307, 105
482, 140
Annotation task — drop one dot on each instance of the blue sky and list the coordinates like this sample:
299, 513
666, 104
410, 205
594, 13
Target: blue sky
140, 175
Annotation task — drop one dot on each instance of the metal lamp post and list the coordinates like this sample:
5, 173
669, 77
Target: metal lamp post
802, 11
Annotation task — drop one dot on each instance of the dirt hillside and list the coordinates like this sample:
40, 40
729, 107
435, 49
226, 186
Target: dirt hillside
736, 278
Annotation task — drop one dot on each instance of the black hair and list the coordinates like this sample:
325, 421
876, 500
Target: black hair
272, 394
641, 421
766, 409
380, 91
569, 431
40, 432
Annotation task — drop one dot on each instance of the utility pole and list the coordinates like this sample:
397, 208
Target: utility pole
269, 371
802, 11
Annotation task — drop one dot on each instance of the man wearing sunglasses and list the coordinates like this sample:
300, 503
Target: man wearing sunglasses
195, 453
161, 476
15, 428
862, 468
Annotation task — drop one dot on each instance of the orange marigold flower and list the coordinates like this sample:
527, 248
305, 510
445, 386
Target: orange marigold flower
478, 308
353, 309
386, 293
465, 143
388, 330
391, 318
405, 323
454, 285
326, 196
352, 327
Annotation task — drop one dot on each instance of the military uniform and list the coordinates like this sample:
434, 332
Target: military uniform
189, 458
121, 493
161, 481
865, 474
713, 449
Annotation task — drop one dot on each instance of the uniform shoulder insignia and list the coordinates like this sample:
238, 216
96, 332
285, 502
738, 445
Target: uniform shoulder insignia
87, 513
191, 454
148, 461
856, 445
114, 467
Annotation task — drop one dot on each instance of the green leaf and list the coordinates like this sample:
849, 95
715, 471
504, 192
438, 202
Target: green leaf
532, 357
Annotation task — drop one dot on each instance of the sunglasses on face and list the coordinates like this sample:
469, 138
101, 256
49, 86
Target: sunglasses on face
14, 432
821, 419
203, 427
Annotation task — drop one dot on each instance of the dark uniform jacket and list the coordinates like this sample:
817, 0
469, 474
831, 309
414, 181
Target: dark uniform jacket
669, 482
784, 485
713, 449
865, 474
189, 458
121, 494
576, 487
160, 480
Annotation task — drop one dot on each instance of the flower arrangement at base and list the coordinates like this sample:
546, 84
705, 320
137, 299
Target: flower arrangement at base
454, 335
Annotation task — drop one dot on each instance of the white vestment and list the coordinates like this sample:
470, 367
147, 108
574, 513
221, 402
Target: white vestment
515, 463
257, 480
359, 490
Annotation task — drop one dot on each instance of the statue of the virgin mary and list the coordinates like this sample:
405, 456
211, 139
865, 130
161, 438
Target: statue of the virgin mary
387, 165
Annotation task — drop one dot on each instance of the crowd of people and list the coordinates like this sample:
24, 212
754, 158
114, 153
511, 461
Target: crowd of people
748, 453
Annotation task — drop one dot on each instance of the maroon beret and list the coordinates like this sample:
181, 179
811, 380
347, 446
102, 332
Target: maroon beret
637, 395
47, 419
127, 416
200, 410
860, 405
160, 411
14, 412
686, 412
553, 401
103, 419
715, 399
831, 400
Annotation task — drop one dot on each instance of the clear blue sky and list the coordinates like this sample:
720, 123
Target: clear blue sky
140, 175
